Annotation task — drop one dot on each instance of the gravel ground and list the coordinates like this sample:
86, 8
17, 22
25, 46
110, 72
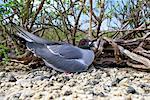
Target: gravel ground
20, 82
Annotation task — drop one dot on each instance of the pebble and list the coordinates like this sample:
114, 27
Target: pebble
124, 82
12, 78
115, 82
101, 94
24, 83
67, 93
131, 90
100, 84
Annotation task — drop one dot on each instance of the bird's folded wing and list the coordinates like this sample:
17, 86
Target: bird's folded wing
66, 51
29, 36
45, 51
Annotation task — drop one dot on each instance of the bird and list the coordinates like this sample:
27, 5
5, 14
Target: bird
60, 56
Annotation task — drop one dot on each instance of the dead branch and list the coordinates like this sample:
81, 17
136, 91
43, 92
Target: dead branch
77, 22
116, 49
101, 15
90, 21
139, 66
134, 52
135, 57
123, 30
39, 29
37, 12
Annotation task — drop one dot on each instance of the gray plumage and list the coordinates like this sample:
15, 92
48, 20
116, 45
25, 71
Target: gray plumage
60, 56
31, 37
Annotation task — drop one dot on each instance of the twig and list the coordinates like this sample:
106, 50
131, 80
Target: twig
100, 20
99, 49
37, 12
76, 23
142, 43
124, 30
39, 29
90, 21
137, 66
142, 52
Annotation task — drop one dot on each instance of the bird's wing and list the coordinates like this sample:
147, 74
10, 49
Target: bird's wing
66, 58
31, 37
28, 36
87, 56
65, 51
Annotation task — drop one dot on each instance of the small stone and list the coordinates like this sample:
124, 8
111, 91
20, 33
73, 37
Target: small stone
24, 83
71, 84
107, 87
2, 75
17, 95
145, 87
101, 94
104, 75
124, 82
94, 82
67, 93
11, 78
131, 90
38, 96
115, 82
50, 84
97, 76
26, 94
117, 93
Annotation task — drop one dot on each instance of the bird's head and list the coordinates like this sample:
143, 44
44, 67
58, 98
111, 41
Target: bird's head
87, 44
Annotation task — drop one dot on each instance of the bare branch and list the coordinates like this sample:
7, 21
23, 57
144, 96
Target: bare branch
100, 17
77, 22
135, 57
90, 21
37, 12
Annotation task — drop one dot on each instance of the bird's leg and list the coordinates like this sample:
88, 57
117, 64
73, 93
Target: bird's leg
68, 74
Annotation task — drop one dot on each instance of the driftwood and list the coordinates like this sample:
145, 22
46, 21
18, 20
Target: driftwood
134, 52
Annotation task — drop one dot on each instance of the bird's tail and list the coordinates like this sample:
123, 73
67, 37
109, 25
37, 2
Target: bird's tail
28, 36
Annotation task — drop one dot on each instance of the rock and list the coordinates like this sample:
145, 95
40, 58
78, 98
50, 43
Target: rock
115, 82
17, 95
2, 75
107, 88
145, 87
124, 82
101, 84
26, 94
67, 93
117, 93
101, 94
63, 79
71, 83
97, 76
94, 82
24, 83
11, 78
131, 90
